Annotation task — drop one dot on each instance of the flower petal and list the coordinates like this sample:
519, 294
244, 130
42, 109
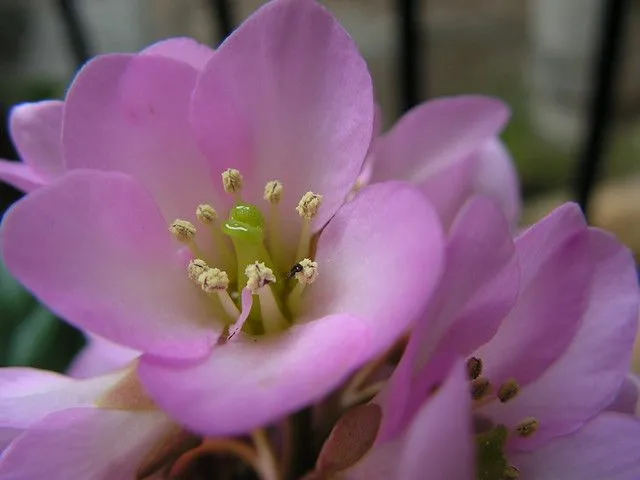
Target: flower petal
606, 447
587, 377
247, 384
496, 177
184, 49
20, 176
100, 356
436, 134
129, 113
94, 247
626, 400
288, 97
36, 129
379, 258
84, 443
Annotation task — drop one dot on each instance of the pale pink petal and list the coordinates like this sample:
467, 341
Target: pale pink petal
379, 258
626, 400
247, 384
36, 130
546, 317
129, 113
608, 447
94, 247
100, 356
288, 97
184, 49
28, 395
496, 177
436, 134
587, 377
84, 443
20, 176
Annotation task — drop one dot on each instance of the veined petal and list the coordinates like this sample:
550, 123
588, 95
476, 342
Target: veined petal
94, 247
246, 384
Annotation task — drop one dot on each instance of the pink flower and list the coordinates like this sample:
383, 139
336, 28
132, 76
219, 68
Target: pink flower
547, 323
53, 426
36, 128
100, 356
286, 103
449, 148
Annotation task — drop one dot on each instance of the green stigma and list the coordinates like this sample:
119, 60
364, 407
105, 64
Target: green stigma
492, 462
245, 223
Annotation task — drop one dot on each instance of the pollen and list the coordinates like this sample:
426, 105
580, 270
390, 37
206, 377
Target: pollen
183, 230
232, 180
213, 280
258, 275
309, 205
206, 213
273, 192
528, 427
306, 271
508, 390
474, 368
480, 387
196, 268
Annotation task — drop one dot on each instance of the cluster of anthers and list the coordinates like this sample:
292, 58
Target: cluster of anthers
492, 438
257, 255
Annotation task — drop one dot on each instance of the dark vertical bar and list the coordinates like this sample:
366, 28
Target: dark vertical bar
409, 54
606, 68
223, 16
76, 34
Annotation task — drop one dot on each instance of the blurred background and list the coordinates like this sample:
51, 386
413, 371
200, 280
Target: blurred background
570, 69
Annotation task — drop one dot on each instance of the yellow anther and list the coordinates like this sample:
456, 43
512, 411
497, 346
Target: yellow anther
258, 275
309, 205
306, 271
183, 230
474, 368
213, 279
508, 390
273, 192
232, 180
196, 268
480, 387
511, 473
528, 427
206, 213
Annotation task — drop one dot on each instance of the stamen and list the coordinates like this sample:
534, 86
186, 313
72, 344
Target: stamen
307, 208
480, 387
196, 268
273, 191
528, 427
508, 390
474, 368
232, 182
511, 473
216, 281
208, 216
305, 272
185, 232
259, 279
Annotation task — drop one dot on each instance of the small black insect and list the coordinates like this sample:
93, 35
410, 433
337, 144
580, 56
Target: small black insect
297, 268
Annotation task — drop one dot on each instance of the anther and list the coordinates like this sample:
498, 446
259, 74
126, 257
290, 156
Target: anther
196, 268
258, 275
307, 273
213, 279
474, 368
480, 387
206, 214
511, 473
528, 427
273, 192
183, 230
232, 181
309, 205
508, 390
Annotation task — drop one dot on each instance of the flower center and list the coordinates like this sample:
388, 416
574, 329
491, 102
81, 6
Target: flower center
250, 257
491, 438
